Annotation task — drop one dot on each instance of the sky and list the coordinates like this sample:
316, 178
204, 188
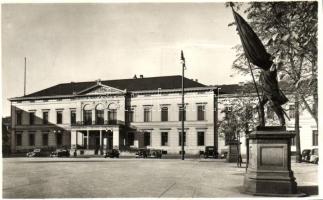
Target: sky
86, 42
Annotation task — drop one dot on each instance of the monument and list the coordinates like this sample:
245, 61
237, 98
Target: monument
269, 162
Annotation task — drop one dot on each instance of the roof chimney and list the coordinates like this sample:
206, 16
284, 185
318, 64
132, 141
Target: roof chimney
135, 76
141, 76
196, 80
241, 83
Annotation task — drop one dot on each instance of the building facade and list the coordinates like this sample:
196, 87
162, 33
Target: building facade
93, 117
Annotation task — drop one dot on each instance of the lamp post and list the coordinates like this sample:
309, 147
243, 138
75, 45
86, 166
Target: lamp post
216, 121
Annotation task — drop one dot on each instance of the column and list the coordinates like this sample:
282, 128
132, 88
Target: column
115, 142
73, 138
93, 116
105, 116
88, 139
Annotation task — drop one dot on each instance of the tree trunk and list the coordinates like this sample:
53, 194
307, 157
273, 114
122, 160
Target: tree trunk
297, 137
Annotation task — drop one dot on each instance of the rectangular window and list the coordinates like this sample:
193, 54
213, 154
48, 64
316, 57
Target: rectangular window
200, 138
181, 114
291, 111
164, 139
18, 139
59, 117
73, 117
19, 117
31, 118
146, 139
180, 138
270, 113
45, 139
315, 138
87, 117
200, 112
164, 114
99, 117
45, 117
131, 138
31, 139
131, 115
227, 111
147, 114
59, 139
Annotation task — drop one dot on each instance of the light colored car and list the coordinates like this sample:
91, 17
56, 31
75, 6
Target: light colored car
314, 156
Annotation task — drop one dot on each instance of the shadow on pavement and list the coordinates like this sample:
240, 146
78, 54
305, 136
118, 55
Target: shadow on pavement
309, 190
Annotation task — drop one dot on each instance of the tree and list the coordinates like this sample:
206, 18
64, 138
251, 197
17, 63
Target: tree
289, 33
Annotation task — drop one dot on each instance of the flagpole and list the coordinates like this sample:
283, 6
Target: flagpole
183, 107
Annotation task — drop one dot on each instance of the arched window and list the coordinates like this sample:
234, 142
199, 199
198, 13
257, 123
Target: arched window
112, 113
87, 115
99, 114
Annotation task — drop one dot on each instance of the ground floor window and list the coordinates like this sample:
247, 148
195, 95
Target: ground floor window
45, 139
59, 139
146, 139
31, 139
180, 138
131, 138
315, 138
164, 139
200, 138
18, 139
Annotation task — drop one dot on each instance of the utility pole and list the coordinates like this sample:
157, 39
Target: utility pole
216, 121
25, 77
183, 106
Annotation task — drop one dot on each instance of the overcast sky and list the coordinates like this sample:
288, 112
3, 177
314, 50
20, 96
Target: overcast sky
85, 42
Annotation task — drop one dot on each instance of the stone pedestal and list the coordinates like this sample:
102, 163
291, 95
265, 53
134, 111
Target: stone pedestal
233, 152
269, 169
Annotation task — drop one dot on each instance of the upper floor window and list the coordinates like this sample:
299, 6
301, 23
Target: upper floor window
45, 117
112, 115
99, 114
181, 113
164, 114
32, 118
87, 117
147, 114
291, 111
146, 139
73, 117
19, 117
315, 138
201, 112
59, 117
131, 114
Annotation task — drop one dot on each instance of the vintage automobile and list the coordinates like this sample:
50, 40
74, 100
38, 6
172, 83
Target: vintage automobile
37, 153
209, 152
60, 153
155, 153
314, 156
112, 153
306, 155
142, 153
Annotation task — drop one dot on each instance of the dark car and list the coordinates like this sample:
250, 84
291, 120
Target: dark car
155, 153
142, 153
37, 153
306, 154
209, 152
60, 153
112, 153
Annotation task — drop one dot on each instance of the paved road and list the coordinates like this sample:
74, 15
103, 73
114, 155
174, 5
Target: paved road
98, 177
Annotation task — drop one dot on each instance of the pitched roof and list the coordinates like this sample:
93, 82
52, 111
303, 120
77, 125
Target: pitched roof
134, 84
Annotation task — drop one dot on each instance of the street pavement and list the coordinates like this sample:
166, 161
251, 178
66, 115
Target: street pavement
107, 178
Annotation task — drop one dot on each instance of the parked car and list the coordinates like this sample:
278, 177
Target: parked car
155, 153
37, 153
209, 152
314, 156
142, 153
60, 153
112, 153
306, 154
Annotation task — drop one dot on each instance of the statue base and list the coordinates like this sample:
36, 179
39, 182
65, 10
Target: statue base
233, 153
269, 165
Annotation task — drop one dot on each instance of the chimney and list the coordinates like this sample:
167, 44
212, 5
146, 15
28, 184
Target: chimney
141, 76
241, 83
135, 76
196, 80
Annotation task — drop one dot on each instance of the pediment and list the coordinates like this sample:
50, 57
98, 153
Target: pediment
101, 89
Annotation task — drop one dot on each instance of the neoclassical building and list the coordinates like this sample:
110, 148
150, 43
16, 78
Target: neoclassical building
126, 114
129, 113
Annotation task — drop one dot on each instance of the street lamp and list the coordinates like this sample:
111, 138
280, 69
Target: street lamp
216, 121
